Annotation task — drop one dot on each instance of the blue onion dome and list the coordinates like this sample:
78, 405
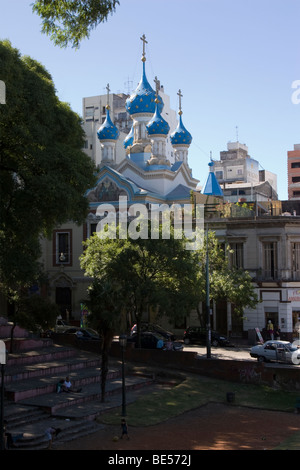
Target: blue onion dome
157, 125
143, 98
108, 131
129, 138
180, 136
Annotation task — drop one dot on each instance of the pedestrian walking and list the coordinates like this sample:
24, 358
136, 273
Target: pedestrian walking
51, 433
124, 428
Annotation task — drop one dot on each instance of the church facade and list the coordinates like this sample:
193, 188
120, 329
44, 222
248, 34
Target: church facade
144, 175
153, 169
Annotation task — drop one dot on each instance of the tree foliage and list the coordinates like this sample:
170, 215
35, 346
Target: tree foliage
225, 282
71, 21
148, 273
36, 313
44, 172
105, 304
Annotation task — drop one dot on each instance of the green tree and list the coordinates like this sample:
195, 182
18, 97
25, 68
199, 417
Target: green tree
149, 273
225, 282
105, 304
44, 172
71, 21
34, 313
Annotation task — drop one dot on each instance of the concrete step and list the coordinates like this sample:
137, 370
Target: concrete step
19, 416
61, 404
58, 366
26, 344
47, 353
75, 420
69, 431
21, 390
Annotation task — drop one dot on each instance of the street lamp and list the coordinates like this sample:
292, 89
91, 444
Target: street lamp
208, 332
123, 343
2, 362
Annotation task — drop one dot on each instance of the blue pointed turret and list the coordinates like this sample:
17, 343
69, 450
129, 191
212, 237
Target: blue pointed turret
128, 141
143, 98
212, 187
157, 125
108, 131
180, 136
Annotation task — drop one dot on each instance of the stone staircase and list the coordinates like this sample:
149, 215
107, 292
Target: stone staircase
32, 404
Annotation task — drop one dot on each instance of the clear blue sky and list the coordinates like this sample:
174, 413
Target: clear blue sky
234, 60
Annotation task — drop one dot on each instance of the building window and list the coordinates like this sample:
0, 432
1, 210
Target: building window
93, 229
295, 165
62, 247
296, 179
89, 112
270, 260
296, 261
236, 255
219, 174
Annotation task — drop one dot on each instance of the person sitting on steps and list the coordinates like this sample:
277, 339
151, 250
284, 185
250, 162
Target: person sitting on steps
68, 386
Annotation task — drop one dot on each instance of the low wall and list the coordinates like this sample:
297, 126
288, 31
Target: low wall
5, 332
232, 370
253, 372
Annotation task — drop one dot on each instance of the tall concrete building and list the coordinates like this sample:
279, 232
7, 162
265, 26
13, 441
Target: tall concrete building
293, 164
241, 178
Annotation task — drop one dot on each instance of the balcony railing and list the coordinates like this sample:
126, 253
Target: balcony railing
277, 275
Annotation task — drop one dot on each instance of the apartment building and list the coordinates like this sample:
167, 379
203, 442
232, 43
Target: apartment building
268, 247
293, 171
241, 177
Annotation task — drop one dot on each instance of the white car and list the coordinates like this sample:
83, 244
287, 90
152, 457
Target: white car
279, 351
61, 326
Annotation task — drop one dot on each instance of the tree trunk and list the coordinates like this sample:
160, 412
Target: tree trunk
11, 349
104, 371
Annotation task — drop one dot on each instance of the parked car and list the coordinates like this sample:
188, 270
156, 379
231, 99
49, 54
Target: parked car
61, 326
150, 340
83, 333
197, 334
278, 351
152, 327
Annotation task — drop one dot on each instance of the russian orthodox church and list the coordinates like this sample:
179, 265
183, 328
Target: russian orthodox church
141, 172
145, 175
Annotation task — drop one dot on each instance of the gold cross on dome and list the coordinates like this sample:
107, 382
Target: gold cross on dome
143, 38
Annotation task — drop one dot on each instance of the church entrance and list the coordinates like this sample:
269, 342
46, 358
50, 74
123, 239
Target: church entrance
63, 298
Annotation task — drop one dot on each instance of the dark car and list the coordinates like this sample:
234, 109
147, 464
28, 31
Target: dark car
83, 333
151, 340
197, 334
153, 328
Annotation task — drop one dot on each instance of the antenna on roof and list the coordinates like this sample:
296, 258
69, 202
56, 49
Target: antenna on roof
237, 133
128, 84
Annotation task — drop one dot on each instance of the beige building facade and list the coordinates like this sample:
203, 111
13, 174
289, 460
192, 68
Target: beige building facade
268, 247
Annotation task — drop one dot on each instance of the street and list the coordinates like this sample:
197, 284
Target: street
238, 352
